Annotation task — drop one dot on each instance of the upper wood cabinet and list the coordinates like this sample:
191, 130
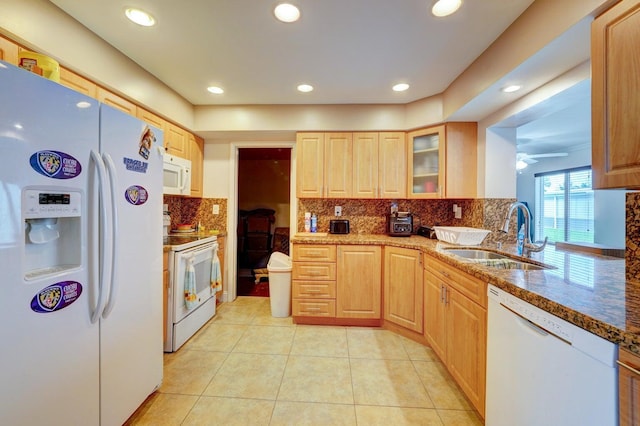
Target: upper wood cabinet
442, 161
351, 165
118, 102
379, 165
615, 104
196, 155
78, 83
176, 141
8, 51
392, 165
153, 119
338, 151
310, 165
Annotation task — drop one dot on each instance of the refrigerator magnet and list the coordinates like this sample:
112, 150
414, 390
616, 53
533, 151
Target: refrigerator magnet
136, 195
56, 296
55, 164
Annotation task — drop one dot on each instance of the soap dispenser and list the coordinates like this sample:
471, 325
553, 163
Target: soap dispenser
521, 240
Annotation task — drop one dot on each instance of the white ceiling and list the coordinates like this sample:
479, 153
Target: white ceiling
351, 51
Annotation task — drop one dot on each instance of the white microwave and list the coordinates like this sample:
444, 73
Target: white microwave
176, 175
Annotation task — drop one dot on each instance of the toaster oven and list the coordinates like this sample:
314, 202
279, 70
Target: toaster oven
400, 224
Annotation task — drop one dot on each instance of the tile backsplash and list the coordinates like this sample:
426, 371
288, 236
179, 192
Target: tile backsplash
194, 210
369, 216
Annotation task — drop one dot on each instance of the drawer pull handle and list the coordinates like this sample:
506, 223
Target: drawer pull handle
628, 367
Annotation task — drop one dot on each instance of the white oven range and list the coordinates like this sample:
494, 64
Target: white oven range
183, 322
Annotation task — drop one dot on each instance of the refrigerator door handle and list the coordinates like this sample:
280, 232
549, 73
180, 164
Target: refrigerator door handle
105, 226
113, 182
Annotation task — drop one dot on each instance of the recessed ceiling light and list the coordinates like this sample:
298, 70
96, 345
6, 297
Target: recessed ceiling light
140, 17
83, 104
305, 88
400, 87
215, 90
286, 12
445, 7
512, 88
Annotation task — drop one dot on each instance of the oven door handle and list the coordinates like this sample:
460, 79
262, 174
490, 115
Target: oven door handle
197, 251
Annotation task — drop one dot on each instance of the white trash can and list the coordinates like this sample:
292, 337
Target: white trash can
279, 268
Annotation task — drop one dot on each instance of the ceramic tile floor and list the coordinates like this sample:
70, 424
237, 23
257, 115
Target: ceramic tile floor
245, 367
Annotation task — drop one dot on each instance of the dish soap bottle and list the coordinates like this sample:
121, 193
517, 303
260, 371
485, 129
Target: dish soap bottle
314, 223
307, 222
521, 240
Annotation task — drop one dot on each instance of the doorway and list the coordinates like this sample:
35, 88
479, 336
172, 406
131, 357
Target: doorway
261, 211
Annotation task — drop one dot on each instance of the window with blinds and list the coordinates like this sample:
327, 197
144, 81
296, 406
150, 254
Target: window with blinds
564, 205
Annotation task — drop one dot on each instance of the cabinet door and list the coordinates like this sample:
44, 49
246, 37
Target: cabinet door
310, 165
365, 165
153, 119
434, 314
118, 102
359, 282
176, 141
8, 51
615, 42
392, 165
403, 287
425, 163
338, 167
629, 388
461, 179
78, 83
196, 155
466, 331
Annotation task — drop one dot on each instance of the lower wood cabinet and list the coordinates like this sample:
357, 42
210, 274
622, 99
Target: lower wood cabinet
403, 287
165, 294
359, 283
629, 388
455, 325
340, 284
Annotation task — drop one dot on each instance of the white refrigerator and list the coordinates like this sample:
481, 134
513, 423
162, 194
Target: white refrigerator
80, 256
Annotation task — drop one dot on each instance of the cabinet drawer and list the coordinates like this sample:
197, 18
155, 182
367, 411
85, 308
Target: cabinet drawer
314, 271
314, 252
314, 308
314, 289
471, 287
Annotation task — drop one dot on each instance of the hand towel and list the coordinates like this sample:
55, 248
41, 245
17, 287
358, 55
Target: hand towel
216, 274
190, 294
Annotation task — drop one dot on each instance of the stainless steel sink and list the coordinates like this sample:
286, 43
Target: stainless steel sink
495, 260
476, 254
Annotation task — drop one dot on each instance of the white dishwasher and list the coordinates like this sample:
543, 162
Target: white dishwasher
542, 370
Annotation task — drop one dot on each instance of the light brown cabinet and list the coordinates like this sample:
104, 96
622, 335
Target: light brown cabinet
196, 155
165, 294
116, 101
221, 247
8, 51
338, 167
351, 165
403, 289
455, 325
359, 282
78, 83
615, 104
314, 281
379, 165
441, 161
176, 141
629, 388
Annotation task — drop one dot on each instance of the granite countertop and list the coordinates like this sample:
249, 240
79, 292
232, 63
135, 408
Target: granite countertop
585, 289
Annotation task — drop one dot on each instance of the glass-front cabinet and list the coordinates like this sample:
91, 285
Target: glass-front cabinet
426, 162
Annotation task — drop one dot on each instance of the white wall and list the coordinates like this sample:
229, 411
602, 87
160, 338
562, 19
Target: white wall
498, 164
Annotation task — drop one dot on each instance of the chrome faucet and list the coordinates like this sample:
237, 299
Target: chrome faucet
528, 246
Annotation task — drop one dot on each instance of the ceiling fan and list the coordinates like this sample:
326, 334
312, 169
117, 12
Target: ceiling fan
523, 159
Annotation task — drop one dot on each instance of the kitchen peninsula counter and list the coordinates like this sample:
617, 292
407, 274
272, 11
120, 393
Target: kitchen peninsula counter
585, 289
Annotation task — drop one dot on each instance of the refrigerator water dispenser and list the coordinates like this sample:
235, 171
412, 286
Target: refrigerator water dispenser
52, 231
